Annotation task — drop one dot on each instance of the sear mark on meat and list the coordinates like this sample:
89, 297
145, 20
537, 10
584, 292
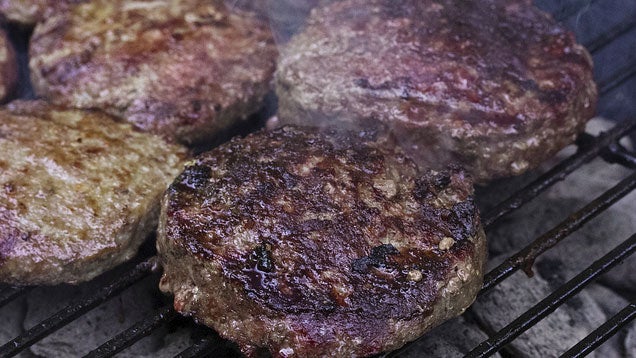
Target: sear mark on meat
186, 70
305, 243
494, 85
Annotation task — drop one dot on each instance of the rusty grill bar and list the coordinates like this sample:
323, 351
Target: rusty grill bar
605, 146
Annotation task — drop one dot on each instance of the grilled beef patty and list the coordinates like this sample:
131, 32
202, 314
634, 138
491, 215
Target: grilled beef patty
79, 192
495, 85
183, 69
8, 67
308, 245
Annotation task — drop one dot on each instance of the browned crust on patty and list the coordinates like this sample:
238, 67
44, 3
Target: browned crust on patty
8, 68
181, 69
495, 85
309, 244
29, 12
79, 192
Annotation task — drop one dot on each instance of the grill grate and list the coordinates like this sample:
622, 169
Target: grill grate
618, 78
613, 33
211, 346
525, 258
603, 333
605, 146
9, 294
558, 173
552, 302
76, 309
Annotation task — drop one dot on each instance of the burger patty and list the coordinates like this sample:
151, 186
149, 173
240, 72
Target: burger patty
182, 69
8, 67
495, 85
79, 192
29, 12
308, 244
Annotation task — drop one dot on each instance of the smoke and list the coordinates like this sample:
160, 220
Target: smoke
442, 98
285, 17
607, 29
581, 12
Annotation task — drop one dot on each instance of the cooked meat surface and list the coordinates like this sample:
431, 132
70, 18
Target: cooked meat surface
8, 67
495, 85
79, 192
309, 244
28, 12
183, 69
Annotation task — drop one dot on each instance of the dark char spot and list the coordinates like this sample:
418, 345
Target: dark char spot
376, 259
464, 215
196, 105
263, 258
194, 177
442, 180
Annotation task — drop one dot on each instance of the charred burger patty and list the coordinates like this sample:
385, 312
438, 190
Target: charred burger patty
495, 85
308, 244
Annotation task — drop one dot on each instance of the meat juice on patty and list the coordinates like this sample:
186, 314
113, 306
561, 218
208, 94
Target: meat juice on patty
308, 244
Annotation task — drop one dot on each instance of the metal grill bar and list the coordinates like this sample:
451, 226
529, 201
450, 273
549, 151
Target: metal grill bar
602, 333
198, 349
210, 346
610, 35
10, 293
618, 78
616, 153
554, 300
76, 309
138, 331
569, 11
527, 256
558, 173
